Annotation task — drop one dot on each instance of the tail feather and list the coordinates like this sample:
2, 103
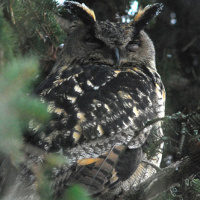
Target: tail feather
98, 175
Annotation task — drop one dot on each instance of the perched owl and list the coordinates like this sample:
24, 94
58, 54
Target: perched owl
100, 93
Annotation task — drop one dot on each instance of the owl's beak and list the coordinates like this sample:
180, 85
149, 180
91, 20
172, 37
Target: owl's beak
117, 57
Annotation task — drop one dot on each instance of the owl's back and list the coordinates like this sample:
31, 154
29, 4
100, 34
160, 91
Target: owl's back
101, 92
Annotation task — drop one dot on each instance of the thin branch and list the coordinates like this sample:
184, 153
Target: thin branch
12, 13
189, 44
152, 165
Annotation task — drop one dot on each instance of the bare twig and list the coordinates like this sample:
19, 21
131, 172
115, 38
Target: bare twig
189, 44
152, 165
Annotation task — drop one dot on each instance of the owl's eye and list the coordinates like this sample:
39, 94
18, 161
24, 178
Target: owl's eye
93, 42
133, 45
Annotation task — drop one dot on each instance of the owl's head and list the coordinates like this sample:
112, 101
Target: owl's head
119, 45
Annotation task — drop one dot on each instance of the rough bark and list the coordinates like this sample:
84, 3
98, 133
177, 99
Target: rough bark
164, 179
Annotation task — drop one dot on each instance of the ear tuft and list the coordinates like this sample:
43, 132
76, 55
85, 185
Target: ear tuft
145, 15
84, 13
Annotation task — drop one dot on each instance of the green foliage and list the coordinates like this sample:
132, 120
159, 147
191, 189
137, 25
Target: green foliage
8, 45
189, 189
165, 195
196, 186
32, 28
35, 24
16, 106
76, 192
181, 140
44, 175
44, 187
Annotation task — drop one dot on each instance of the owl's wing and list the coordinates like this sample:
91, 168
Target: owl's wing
95, 112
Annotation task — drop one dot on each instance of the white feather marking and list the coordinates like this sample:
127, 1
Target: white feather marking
100, 130
107, 107
72, 99
51, 107
78, 89
89, 83
96, 87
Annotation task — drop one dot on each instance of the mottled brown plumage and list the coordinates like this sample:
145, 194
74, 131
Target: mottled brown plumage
103, 88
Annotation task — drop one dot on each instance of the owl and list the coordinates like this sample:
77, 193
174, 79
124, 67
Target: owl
100, 93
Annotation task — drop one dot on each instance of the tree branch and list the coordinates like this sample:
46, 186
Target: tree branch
164, 179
